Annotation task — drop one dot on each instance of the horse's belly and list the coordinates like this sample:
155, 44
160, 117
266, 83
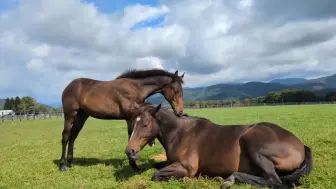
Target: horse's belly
219, 169
101, 110
220, 165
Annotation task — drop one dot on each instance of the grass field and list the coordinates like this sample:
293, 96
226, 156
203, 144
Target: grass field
30, 150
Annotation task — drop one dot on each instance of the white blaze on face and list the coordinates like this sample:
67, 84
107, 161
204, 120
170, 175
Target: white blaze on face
136, 121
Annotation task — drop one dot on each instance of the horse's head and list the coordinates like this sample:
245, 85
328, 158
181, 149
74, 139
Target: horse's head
173, 93
145, 130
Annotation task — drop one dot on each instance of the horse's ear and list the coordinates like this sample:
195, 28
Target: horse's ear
182, 75
154, 110
176, 73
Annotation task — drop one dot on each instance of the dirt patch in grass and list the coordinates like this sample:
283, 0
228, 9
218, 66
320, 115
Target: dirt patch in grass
160, 157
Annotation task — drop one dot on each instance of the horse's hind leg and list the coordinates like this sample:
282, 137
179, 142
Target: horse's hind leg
76, 128
68, 122
268, 169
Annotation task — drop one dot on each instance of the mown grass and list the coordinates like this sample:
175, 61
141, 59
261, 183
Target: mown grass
30, 150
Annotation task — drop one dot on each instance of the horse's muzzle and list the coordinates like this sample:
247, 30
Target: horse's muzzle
132, 154
179, 114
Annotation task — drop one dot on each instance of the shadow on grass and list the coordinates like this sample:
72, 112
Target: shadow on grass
116, 162
123, 170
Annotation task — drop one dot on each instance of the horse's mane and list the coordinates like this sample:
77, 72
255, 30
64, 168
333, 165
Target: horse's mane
171, 113
140, 74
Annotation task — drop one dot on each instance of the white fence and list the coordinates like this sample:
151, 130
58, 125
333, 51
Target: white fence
21, 116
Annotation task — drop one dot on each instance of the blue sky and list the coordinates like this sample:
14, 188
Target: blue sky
47, 43
108, 6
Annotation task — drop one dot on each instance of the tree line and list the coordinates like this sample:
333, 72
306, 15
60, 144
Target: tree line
285, 96
26, 104
294, 95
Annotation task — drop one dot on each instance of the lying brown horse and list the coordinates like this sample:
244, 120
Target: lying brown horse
115, 99
261, 154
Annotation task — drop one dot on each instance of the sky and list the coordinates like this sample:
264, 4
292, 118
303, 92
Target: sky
45, 44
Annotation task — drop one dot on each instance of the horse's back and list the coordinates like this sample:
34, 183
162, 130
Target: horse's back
75, 90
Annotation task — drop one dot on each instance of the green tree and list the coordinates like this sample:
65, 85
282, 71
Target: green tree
27, 104
192, 104
17, 102
7, 104
331, 96
12, 103
42, 109
247, 102
273, 97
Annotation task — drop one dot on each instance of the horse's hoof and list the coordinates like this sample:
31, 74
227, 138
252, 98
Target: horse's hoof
70, 165
226, 184
62, 169
151, 144
220, 179
155, 176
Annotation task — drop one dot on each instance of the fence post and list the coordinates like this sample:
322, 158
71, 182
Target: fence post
27, 115
20, 116
2, 117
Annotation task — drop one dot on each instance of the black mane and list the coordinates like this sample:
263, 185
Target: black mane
140, 74
171, 113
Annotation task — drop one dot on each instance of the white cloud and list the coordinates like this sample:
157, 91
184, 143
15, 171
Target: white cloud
48, 43
41, 50
136, 13
148, 63
35, 65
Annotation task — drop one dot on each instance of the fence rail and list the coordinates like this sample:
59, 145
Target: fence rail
26, 116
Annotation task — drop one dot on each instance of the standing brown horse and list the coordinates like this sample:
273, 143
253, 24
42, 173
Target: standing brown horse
261, 154
115, 99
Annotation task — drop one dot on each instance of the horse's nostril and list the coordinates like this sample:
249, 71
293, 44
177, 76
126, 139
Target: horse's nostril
132, 151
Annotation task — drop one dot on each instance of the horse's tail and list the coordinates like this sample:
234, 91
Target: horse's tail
305, 168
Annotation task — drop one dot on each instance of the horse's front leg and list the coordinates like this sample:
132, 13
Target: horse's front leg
131, 162
175, 170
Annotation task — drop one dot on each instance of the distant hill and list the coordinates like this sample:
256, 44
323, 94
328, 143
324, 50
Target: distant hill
289, 81
328, 81
320, 86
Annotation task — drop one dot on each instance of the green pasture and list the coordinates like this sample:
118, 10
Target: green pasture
30, 150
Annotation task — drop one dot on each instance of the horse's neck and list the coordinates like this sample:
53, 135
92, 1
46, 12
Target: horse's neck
170, 129
153, 85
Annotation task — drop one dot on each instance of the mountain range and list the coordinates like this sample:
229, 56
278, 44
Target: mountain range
252, 89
